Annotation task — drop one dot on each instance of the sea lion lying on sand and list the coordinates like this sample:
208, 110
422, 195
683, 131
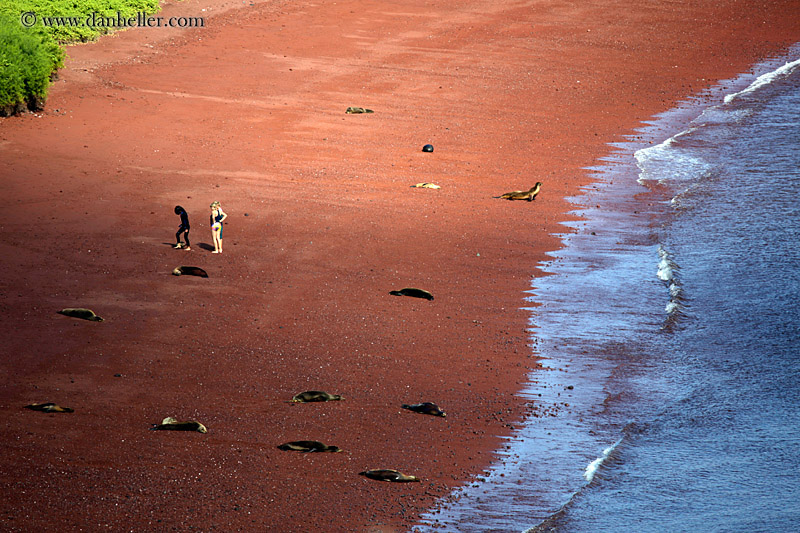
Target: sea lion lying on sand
80, 312
190, 271
426, 408
172, 424
388, 475
49, 407
358, 110
415, 293
523, 195
315, 396
308, 446
426, 185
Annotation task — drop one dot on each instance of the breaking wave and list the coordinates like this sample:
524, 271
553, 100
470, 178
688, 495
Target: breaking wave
765, 79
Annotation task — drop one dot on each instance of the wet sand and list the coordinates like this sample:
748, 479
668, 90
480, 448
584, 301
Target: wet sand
323, 223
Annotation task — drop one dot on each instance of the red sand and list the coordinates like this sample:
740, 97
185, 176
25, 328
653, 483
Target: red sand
249, 110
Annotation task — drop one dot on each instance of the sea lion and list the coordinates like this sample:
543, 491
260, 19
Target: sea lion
80, 312
315, 396
358, 110
190, 271
523, 195
388, 475
426, 185
172, 424
426, 408
427, 148
308, 446
49, 407
415, 293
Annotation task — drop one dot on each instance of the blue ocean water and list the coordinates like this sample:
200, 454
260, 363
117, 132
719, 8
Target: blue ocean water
670, 397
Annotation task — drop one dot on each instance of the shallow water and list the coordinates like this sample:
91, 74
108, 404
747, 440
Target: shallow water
670, 334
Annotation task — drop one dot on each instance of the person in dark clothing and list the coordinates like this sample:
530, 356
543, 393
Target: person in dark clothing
183, 229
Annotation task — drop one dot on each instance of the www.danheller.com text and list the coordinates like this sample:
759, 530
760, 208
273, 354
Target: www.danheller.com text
97, 20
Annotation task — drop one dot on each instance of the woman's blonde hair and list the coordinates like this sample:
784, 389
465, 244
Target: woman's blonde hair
214, 204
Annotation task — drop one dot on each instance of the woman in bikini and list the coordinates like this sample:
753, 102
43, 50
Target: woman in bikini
217, 216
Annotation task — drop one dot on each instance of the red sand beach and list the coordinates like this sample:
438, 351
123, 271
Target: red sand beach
250, 110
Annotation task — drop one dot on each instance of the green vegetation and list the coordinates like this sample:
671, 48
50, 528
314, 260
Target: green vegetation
29, 56
27, 59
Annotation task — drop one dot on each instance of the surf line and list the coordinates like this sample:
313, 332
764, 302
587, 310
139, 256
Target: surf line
551, 521
766, 79
591, 469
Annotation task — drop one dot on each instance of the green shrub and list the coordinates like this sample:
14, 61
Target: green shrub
27, 59
29, 56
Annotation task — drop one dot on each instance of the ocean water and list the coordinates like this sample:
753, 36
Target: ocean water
670, 332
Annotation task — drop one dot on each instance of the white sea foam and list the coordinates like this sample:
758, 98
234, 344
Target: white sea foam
648, 154
765, 79
674, 290
675, 306
591, 469
666, 268
668, 272
668, 162
665, 271
672, 307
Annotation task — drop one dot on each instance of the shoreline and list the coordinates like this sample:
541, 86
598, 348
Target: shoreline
568, 449
644, 399
300, 298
